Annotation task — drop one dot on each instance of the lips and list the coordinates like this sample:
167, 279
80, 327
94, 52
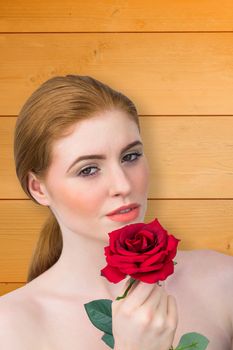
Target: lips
129, 206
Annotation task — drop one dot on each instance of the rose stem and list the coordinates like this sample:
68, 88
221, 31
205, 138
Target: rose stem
132, 280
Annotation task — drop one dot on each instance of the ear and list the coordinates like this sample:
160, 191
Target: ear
37, 189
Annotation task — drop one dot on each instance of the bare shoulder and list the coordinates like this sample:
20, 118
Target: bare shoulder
214, 262
208, 264
219, 267
18, 320
213, 270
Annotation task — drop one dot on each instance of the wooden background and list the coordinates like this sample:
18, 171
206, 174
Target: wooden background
174, 59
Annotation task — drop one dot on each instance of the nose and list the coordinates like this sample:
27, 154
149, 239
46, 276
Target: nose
119, 182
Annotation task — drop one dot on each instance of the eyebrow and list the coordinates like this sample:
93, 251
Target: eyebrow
100, 156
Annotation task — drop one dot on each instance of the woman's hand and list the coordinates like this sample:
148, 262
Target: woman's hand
145, 319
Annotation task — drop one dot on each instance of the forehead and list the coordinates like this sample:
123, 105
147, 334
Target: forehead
106, 131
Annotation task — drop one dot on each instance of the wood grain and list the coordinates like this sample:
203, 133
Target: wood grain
6, 287
115, 15
163, 73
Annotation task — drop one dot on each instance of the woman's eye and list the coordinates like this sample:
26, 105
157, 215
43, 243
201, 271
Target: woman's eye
86, 172
137, 154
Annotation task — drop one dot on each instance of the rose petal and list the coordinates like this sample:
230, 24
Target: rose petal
168, 269
155, 276
112, 274
154, 258
130, 269
172, 246
118, 259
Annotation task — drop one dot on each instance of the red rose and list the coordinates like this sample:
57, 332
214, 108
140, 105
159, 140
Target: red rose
143, 251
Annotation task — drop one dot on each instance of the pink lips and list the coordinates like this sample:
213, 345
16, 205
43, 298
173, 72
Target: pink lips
124, 217
129, 206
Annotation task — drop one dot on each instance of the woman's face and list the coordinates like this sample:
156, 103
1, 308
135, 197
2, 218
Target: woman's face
81, 195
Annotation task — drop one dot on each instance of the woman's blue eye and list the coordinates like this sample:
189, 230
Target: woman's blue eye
86, 171
137, 154
83, 172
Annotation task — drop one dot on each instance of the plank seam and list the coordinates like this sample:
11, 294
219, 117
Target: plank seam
161, 199
154, 115
127, 32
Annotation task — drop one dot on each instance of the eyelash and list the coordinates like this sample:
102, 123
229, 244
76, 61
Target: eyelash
138, 154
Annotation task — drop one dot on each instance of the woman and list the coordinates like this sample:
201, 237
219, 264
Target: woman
66, 120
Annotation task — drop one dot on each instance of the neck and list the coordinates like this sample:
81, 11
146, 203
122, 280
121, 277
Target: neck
77, 272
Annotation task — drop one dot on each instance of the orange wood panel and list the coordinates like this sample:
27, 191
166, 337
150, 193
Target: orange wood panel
21, 222
115, 15
163, 73
6, 287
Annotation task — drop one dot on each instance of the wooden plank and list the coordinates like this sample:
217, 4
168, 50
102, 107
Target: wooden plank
112, 15
6, 287
21, 222
200, 224
189, 157
164, 74
9, 184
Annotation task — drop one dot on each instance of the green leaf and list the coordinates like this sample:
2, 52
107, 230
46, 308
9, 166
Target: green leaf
108, 339
192, 340
100, 314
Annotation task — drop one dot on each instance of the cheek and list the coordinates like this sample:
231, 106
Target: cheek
142, 178
82, 200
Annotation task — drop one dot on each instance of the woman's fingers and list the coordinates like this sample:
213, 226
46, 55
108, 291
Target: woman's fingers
162, 309
159, 310
155, 307
159, 321
147, 300
138, 296
152, 299
172, 312
147, 315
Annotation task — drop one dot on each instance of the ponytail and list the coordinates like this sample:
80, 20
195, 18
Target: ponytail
48, 248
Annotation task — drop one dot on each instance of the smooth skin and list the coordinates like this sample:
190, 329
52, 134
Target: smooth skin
145, 319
